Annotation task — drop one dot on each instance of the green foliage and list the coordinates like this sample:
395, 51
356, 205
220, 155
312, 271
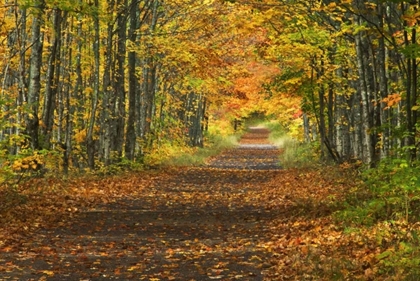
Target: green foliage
119, 167
294, 152
277, 130
411, 51
396, 186
298, 154
403, 257
255, 119
289, 76
392, 192
389, 205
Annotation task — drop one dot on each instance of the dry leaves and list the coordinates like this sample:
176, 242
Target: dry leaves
190, 222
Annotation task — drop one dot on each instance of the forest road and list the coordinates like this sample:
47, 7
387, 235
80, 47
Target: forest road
191, 223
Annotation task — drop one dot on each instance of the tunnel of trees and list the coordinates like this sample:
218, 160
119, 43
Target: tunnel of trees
88, 83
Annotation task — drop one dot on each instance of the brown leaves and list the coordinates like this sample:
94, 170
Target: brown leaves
186, 223
50, 202
313, 243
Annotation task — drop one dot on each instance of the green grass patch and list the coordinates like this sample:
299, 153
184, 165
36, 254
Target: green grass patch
214, 146
194, 156
295, 154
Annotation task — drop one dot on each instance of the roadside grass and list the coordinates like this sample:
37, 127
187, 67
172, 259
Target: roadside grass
214, 145
294, 153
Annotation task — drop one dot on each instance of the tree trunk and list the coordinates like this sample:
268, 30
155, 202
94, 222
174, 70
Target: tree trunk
34, 86
133, 84
365, 94
90, 143
321, 126
120, 106
108, 93
411, 99
51, 80
196, 113
383, 88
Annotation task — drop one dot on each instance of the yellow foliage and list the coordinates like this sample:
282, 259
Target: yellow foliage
17, 165
32, 162
88, 90
80, 136
165, 151
296, 129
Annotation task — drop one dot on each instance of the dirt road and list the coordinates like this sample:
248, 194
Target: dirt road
193, 223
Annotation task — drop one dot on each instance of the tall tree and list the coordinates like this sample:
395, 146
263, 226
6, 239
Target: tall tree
34, 85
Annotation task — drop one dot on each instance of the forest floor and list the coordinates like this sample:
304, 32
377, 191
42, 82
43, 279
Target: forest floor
240, 217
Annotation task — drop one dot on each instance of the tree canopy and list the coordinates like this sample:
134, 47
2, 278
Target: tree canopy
90, 83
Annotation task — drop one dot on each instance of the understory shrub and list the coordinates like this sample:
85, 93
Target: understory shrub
387, 205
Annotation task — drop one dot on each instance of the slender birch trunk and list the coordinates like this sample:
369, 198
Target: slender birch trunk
34, 85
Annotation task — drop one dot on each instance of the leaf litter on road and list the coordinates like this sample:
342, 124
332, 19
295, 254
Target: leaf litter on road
238, 218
